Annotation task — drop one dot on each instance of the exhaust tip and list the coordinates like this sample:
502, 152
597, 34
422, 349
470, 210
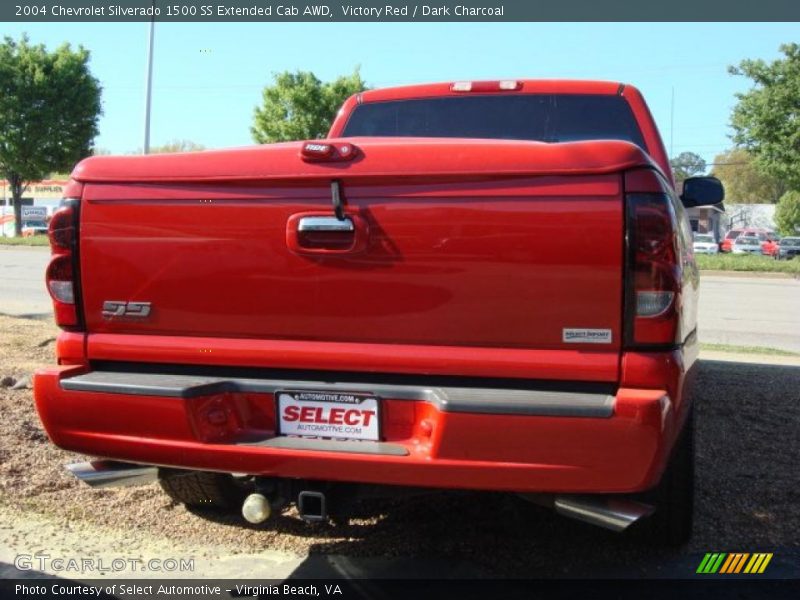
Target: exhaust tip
256, 509
609, 512
107, 473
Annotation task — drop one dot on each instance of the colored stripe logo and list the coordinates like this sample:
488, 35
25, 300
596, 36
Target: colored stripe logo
734, 562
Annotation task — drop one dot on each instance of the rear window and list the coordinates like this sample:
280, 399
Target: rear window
536, 117
744, 240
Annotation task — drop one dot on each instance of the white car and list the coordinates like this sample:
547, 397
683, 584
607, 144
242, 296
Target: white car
747, 244
704, 244
31, 228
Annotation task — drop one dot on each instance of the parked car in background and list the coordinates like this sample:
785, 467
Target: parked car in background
747, 244
788, 248
31, 228
771, 246
765, 237
730, 237
704, 243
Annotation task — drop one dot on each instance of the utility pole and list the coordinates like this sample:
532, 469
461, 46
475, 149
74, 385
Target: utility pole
148, 83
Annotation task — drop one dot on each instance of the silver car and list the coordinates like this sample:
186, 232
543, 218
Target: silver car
704, 244
747, 244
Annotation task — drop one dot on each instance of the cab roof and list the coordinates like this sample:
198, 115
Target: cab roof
526, 86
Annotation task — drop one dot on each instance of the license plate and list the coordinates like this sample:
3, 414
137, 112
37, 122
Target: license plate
342, 415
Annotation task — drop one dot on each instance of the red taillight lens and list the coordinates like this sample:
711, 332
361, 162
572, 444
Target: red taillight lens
60, 279
653, 272
61, 285
62, 229
507, 85
61, 273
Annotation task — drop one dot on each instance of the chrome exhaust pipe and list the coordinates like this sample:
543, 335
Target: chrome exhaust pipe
610, 512
256, 508
108, 473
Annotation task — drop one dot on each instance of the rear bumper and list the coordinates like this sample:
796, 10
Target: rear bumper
491, 439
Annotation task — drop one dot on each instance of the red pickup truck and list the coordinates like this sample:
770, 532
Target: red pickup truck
386, 307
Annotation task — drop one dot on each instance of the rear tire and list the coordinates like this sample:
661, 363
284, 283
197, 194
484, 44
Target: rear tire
202, 489
671, 524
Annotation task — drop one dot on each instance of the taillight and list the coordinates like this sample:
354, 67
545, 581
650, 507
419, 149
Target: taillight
652, 282
62, 229
486, 86
61, 274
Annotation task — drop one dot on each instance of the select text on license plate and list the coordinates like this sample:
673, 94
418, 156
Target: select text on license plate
329, 414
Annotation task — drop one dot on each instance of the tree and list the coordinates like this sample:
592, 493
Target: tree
787, 213
685, 165
743, 180
298, 106
173, 146
178, 146
49, 106
766, 119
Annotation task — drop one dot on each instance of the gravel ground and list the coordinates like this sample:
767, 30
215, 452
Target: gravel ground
747, 499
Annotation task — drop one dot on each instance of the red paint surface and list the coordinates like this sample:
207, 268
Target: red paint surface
622, 453
473, 257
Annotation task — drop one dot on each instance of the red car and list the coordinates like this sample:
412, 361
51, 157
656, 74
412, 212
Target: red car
768, 239
727, 242
385, 308
771, 244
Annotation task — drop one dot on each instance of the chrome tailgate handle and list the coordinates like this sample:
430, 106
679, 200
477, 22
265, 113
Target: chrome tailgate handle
325, 224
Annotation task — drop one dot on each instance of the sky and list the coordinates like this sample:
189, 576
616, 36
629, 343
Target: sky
208, 77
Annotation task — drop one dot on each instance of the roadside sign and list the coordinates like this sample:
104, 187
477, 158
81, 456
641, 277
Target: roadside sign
30, 213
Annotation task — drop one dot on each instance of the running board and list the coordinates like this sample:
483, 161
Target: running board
108, 473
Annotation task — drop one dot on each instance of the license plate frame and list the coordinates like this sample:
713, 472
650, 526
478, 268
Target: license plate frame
319, 405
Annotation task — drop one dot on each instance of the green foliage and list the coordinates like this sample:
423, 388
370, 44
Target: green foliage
744, 182
746, 349
298, 106
685, 165
168, 148
746, 262
787, 213
35, 240
177, 146
766, 119
49, 106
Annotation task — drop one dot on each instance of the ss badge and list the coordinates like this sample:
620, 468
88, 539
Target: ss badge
120, 308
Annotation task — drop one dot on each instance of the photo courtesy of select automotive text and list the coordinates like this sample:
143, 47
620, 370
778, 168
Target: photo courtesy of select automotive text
399, 300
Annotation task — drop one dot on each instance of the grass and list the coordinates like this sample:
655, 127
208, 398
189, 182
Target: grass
36, 240
746, 262
747, 349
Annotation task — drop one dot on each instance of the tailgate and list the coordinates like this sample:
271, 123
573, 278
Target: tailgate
468, 252
509, 263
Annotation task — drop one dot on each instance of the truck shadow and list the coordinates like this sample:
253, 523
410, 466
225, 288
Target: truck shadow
746, 481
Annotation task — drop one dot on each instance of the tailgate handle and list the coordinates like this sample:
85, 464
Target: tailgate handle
324, 234
325, 224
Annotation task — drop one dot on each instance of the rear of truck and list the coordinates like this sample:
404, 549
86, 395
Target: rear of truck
383, 308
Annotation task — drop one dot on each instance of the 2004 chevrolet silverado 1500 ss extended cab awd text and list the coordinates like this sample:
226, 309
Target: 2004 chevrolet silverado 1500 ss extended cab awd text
478, 285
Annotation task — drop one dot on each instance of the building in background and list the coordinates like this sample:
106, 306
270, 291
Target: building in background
750, 215
708, 219
718, 220
42, 197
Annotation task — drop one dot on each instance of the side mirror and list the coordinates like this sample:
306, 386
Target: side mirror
702, 191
